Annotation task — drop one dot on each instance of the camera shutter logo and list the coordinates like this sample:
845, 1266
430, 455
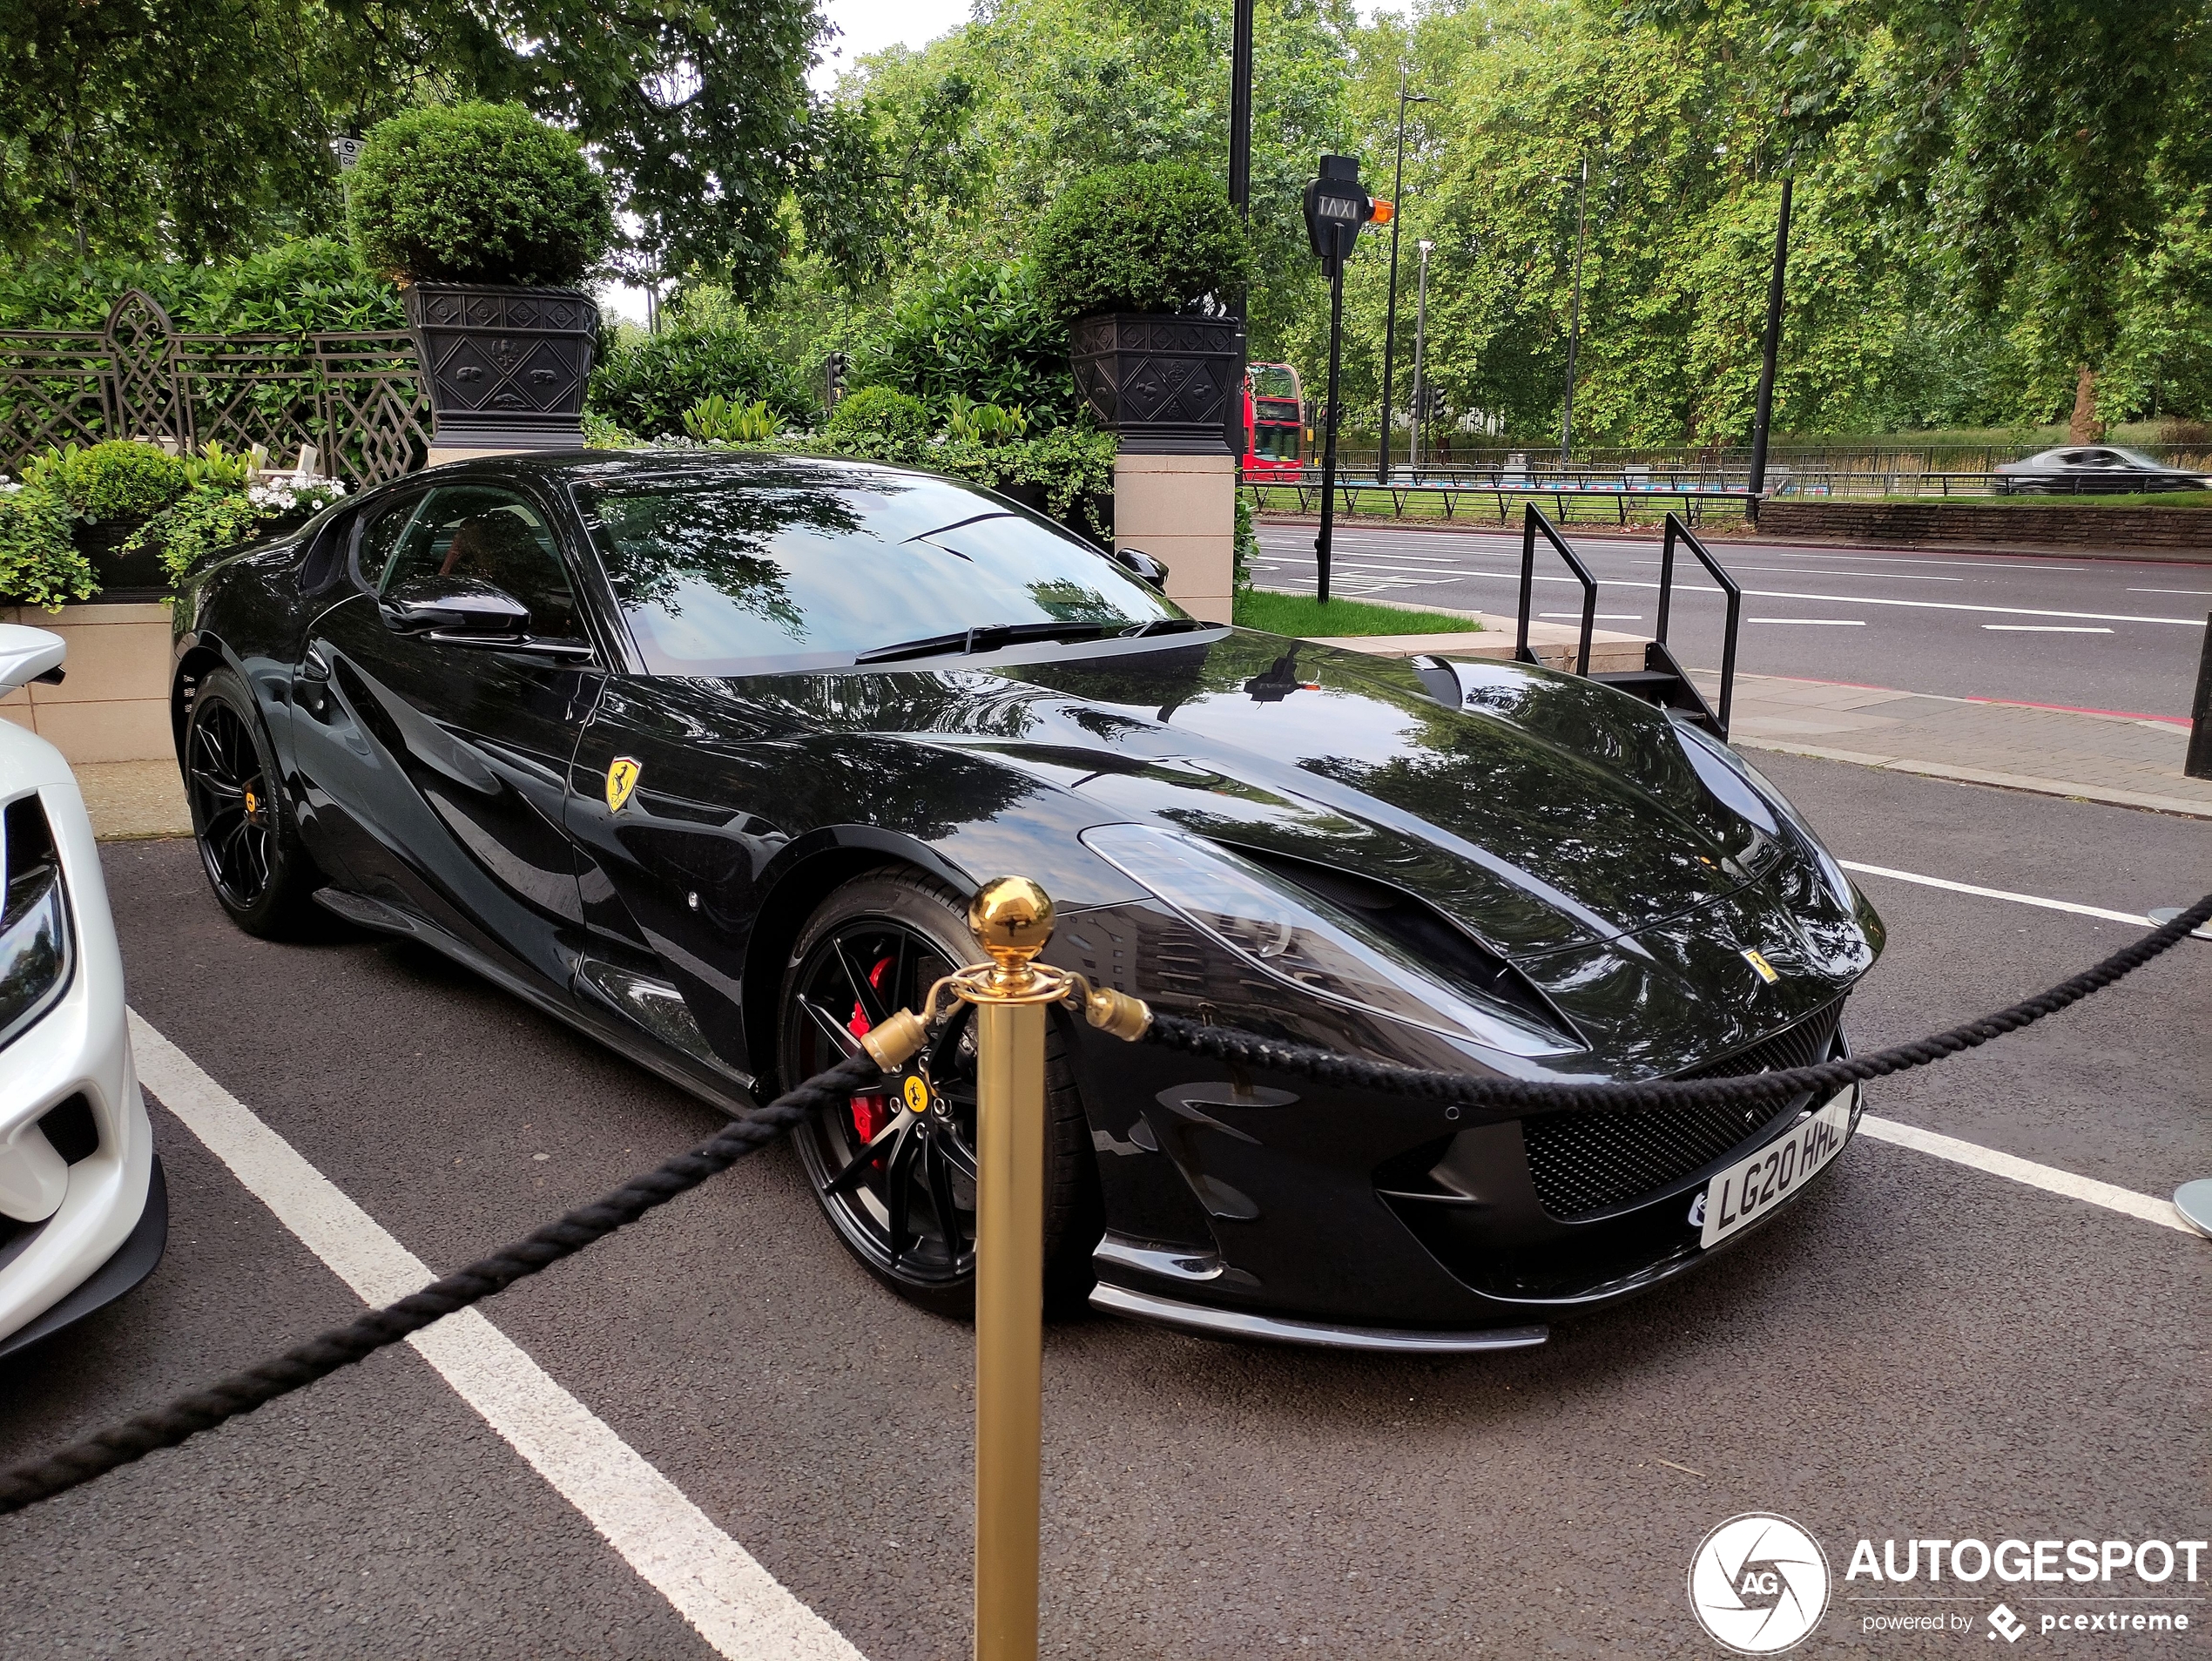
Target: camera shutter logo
1759, 1584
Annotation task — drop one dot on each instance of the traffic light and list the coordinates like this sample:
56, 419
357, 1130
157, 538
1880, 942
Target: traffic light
834, 369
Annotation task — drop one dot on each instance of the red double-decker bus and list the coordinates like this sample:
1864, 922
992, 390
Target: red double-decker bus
1274, 420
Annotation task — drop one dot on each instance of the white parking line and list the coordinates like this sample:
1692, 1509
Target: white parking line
1997, 894
734, 1604
2042, 628
1815, 623
2049, 1178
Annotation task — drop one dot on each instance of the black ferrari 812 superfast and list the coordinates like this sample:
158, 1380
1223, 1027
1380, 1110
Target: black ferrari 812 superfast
705, 753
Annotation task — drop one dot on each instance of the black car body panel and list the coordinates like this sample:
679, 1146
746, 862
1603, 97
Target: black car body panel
1600, 872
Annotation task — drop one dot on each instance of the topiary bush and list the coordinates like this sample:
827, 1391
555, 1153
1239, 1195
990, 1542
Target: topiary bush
647, 381
880, 422
120, 479
1151, 236
477, 193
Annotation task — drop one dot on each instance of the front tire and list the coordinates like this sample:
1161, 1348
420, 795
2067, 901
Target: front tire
263, 876
906, 1210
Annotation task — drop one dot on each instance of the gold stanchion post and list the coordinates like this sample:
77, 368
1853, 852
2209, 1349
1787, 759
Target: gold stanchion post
1012, 920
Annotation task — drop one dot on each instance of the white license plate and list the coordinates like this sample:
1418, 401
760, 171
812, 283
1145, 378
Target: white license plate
1748, 1191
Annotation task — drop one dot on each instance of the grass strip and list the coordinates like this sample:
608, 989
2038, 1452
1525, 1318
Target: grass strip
1302, 617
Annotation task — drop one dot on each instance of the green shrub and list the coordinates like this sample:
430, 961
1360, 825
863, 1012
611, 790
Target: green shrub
646, 382
307, 286
1151, 236
39, 565
880, 422
119, 479
982, 331
477, 193
714, 418
967, 420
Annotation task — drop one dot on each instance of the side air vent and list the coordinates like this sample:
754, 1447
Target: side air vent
1449, 952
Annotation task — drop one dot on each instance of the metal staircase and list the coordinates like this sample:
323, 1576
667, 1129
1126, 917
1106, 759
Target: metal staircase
1663, 680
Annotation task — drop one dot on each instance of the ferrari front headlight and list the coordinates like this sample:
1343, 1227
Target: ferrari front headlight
36, 944
1303, 939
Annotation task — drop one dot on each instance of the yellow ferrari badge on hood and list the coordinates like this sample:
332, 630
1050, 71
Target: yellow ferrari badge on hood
622, 778
1767, 971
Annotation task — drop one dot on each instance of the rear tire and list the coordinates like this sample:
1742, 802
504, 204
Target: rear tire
874, 946
263, 876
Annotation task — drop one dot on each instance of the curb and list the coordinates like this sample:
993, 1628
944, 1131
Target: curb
2072, 790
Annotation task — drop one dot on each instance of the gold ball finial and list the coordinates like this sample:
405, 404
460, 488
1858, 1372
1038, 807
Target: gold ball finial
1011, 918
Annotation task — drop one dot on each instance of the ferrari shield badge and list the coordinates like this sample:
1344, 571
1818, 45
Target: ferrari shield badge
622, 778
917, 1094
1767, 971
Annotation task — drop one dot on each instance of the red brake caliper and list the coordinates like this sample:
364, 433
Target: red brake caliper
870, 1113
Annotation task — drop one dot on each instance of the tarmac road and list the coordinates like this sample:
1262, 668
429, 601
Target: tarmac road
2086, 633
1919, 1349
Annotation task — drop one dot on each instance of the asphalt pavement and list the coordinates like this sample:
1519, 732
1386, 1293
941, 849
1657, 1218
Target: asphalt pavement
2085, 633
1920, 1349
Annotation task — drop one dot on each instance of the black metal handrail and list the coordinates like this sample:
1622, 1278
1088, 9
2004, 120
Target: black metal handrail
1531, 524
1677, 530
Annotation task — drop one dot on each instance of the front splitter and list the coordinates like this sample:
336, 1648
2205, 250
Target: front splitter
1254, 1328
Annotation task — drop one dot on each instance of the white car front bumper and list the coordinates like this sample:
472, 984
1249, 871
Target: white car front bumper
80, 1225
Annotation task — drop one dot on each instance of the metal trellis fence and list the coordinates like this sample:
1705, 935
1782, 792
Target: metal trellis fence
356, 396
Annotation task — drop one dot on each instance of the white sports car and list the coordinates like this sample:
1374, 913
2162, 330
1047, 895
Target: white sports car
84, 1213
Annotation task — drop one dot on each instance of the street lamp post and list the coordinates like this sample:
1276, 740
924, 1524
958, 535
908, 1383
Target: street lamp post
1574, 318
1420, 341
1240, 112
1771, 349
1390, 312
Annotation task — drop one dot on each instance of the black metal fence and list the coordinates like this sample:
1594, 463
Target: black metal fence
357, 397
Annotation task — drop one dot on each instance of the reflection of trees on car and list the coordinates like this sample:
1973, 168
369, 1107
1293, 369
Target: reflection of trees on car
659, 542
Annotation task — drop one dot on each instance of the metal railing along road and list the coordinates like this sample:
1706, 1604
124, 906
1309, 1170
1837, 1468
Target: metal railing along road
1621, 489
1453, 499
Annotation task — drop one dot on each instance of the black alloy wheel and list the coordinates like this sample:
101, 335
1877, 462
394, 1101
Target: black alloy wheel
261, 875
895, 1166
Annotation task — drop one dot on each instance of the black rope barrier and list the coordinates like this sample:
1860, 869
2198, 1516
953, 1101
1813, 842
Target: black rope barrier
39, 1479
1495, 1100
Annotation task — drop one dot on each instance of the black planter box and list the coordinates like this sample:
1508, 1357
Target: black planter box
505, 367
123, 579
1165, 385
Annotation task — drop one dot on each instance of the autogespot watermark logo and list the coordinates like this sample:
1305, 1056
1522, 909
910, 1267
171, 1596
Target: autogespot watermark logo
1759, 1584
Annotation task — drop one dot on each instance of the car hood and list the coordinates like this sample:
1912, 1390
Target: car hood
1549, 814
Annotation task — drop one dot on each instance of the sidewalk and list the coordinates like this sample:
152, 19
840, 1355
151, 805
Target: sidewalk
2126, 759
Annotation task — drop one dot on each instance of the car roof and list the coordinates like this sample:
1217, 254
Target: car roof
610, 466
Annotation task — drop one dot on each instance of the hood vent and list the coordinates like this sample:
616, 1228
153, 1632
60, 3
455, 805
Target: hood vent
1453, 954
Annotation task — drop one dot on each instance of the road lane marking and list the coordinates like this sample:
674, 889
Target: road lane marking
1596, 616
713, 1581
2049, 1178
1792, 571
2036, 900
1862, 599
1817, 623
2043, 628
2199, 592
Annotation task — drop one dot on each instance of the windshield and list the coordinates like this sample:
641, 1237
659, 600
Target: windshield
798, 569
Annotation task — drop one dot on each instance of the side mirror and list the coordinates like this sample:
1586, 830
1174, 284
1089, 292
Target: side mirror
455, 605
1143, 566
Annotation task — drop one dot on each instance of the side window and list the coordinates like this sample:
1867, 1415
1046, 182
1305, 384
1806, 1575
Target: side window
373, 553
495, 536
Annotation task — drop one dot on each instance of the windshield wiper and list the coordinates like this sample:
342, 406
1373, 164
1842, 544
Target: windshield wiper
1165, 625
989, 638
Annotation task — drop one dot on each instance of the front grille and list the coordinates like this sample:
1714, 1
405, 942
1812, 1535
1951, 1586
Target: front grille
1582, 1164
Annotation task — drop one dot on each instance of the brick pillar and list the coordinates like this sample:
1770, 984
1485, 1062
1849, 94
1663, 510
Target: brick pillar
1182, 509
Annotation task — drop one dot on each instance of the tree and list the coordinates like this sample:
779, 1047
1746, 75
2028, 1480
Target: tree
201, 128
